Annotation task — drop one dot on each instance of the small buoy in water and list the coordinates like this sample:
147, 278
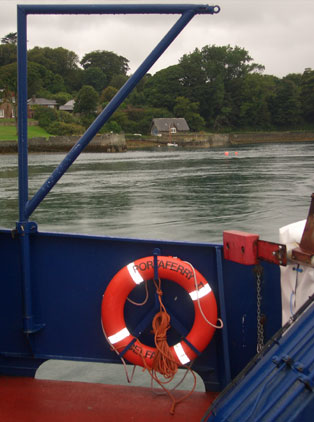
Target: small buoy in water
236, 153
226, 153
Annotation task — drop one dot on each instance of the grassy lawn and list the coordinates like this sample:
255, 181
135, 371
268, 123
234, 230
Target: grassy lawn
8, 133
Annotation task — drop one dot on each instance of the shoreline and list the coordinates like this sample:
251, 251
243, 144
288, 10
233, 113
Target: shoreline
121, 143
100, 143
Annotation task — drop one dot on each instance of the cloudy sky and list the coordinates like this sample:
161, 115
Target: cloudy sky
277, 33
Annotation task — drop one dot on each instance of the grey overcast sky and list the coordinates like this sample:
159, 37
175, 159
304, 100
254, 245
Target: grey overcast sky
278, 34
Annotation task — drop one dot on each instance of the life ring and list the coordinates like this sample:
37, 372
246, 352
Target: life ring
173, 269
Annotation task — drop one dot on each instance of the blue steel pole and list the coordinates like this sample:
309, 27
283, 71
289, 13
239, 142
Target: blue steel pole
108, 111
23, 226
88, 9
22, 111
222, 303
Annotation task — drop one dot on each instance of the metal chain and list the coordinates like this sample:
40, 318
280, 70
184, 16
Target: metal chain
260, 326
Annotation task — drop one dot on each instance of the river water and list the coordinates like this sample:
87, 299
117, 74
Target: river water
169, 194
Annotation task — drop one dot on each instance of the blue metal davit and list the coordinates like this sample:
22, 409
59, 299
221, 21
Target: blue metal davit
26, 205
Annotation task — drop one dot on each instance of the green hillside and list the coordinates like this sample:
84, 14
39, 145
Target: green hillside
8, 133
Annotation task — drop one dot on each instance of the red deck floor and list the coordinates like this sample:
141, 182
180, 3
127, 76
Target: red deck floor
33, 400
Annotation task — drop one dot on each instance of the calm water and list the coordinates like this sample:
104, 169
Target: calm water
169, 194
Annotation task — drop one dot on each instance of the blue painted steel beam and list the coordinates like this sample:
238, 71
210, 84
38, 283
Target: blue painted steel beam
22, 111
222, 306
101, 9
23, 226
189, 13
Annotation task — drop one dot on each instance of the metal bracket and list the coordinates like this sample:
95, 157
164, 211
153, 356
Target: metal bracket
30, 327
286, 359
27, 227
308, 381
156, 253
306, 378
272, 252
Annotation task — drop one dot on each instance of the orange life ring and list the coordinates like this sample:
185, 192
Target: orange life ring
173, 269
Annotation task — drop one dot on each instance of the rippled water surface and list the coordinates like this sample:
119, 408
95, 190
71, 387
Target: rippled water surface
169, 194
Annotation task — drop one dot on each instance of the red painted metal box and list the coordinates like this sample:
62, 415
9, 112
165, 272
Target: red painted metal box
240, 247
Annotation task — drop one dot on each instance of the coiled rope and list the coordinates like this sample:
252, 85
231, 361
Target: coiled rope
164, 362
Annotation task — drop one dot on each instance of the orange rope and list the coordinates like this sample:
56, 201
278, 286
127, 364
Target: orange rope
144, 301
164, 362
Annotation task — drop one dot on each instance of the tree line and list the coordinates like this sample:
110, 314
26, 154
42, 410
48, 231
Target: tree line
216, 89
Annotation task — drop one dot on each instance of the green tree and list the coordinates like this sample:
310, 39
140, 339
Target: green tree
39, 78
57, 122
286, 105
162, 89
138, 96
8, 76
257, 90
59, 61
8, 83
61, 128
107, 94
117, 81
307, 95
185, 108
111, 126
7, 54
94, 77
295, 77
120, 117
8, 49
74, 80
110, 63
213, 77
45, 116
10, 38
62, 98
54, 83
86, 101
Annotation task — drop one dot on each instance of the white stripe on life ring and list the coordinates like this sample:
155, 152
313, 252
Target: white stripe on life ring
181, 353
120, 335
203, 291
136, 276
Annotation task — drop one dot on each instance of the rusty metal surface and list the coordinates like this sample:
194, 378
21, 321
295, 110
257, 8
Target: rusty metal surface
272, 252
302, 256
307, 241
305, 252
